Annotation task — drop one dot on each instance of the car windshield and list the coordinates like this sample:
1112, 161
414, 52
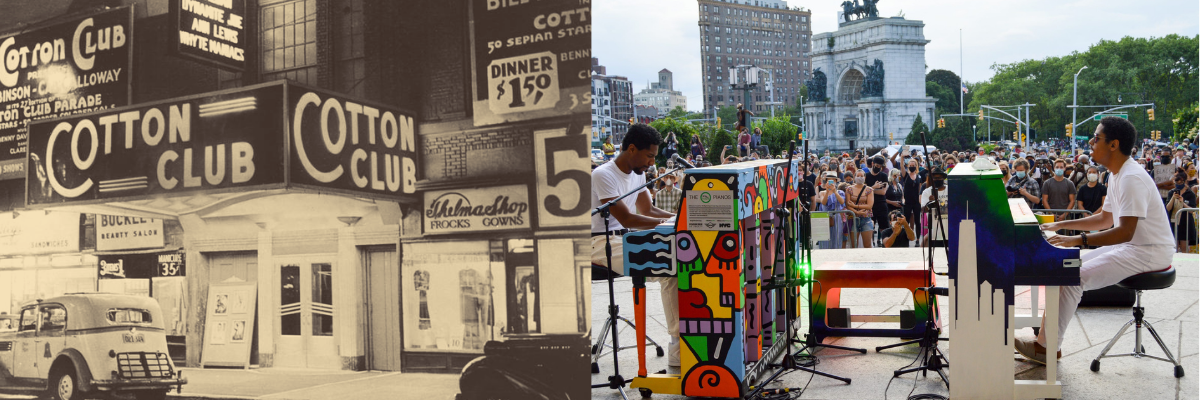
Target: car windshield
127, 316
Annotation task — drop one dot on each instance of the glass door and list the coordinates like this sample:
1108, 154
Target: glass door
306, 314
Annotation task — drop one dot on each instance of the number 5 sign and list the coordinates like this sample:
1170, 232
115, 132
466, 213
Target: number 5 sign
563, 177
523, 83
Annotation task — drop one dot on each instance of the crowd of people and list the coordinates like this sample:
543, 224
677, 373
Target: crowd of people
876, 200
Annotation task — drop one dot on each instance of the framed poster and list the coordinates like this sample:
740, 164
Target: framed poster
228, 328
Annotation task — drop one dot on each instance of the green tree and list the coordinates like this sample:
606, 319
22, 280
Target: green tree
678, 113
948, 80
914, 135
719, 139
1185, 123
683, 133
777, 132
728, 115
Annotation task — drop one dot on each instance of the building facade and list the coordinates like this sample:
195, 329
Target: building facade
763, 33
661, 95
368, 257
602, 118
869, 83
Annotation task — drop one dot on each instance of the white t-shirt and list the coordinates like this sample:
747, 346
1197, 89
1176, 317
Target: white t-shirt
1131, 193
609, 182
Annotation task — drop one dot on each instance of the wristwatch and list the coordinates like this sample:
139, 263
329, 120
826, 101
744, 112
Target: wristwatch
1084, 237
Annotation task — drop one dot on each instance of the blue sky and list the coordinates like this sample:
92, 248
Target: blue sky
637, 38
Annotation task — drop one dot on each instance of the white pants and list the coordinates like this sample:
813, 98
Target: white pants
669, 291
1104, 267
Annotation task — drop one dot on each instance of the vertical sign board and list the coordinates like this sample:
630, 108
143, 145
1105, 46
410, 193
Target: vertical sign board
352, 146
209, 31
229, 325
224, 140
530, 59
78, 66
563, 171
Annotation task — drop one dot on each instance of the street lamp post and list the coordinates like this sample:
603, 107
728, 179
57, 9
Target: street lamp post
1075, 105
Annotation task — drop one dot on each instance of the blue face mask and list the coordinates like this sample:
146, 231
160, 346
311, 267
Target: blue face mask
1058, 172
1020, 174
1179, 186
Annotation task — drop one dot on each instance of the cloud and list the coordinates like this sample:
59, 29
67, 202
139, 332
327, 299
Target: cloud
636, 39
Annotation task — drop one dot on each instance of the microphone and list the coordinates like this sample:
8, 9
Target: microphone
679, 160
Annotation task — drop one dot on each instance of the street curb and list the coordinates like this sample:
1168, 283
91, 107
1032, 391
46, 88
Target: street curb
201, 396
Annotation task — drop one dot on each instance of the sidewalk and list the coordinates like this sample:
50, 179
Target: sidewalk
1173, 312
295, 384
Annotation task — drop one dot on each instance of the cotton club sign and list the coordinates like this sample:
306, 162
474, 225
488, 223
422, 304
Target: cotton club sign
228, 141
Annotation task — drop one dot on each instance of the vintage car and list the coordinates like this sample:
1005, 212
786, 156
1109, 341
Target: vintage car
82, 345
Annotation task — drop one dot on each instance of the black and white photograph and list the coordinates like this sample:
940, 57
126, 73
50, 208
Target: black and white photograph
303, 199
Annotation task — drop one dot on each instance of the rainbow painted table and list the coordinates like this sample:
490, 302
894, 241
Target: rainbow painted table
835, 275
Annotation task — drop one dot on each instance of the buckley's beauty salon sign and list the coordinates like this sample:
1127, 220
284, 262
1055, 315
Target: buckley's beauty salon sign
476, 210
228, 140
123, 233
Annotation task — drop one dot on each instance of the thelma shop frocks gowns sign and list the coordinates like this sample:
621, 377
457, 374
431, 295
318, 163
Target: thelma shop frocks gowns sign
225, 141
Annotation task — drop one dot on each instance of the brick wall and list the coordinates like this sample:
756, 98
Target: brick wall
477, 154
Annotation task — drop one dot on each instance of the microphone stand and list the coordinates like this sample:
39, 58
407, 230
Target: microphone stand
935, 361
790, 280
616, 381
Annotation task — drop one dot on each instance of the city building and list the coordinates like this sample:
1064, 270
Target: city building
602, 120
661, 95
321, 155
763, 33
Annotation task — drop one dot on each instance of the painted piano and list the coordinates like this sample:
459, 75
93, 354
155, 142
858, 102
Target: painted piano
723, 244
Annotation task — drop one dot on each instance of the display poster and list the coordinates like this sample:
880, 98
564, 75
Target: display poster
209, 31
477, 210
229, 325
76, 66
39, 233
710, 210
531, 59
820, 226
124, 233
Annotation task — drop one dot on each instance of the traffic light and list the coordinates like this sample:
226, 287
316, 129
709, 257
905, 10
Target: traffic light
1150, 114
981, 114
1016, 136
1069, 129
941, 123
631, 121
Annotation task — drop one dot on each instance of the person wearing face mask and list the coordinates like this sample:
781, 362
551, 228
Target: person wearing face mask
1091, 194
1021, 185
894, 197
1059, 193
831, 199
910, 188
877, 180
1003, 171
1179, 198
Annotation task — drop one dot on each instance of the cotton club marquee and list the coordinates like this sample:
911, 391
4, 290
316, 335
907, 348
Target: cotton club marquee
268, 136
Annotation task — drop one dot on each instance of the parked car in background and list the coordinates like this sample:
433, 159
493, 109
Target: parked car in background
83, 345
597, 156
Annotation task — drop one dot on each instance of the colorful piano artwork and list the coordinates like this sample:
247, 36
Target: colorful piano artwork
994, 246
720, 247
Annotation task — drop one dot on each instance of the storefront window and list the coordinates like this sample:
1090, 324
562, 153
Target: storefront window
289, 300
322, 292
449, 296
289, 41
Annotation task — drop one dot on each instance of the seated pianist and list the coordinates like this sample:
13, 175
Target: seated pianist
615, 178
1133, 233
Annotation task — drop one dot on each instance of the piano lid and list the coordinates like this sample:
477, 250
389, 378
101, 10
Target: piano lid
968, 171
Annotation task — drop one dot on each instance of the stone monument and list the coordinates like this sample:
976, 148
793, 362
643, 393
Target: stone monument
852, 102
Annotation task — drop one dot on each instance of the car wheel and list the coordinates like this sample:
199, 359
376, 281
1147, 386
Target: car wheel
150, 395
64, 385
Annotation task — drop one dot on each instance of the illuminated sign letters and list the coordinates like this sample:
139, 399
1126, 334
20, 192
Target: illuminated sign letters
209, 31
222, 140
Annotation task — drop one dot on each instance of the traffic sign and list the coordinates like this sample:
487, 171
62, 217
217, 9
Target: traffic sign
1101, 116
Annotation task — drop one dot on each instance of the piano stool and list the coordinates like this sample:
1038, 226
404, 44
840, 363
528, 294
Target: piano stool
599, 273
1144, 281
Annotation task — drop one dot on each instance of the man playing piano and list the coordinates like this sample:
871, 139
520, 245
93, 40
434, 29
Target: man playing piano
1133, 233
613, 179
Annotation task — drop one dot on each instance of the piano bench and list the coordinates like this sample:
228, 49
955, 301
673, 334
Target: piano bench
1153, 280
